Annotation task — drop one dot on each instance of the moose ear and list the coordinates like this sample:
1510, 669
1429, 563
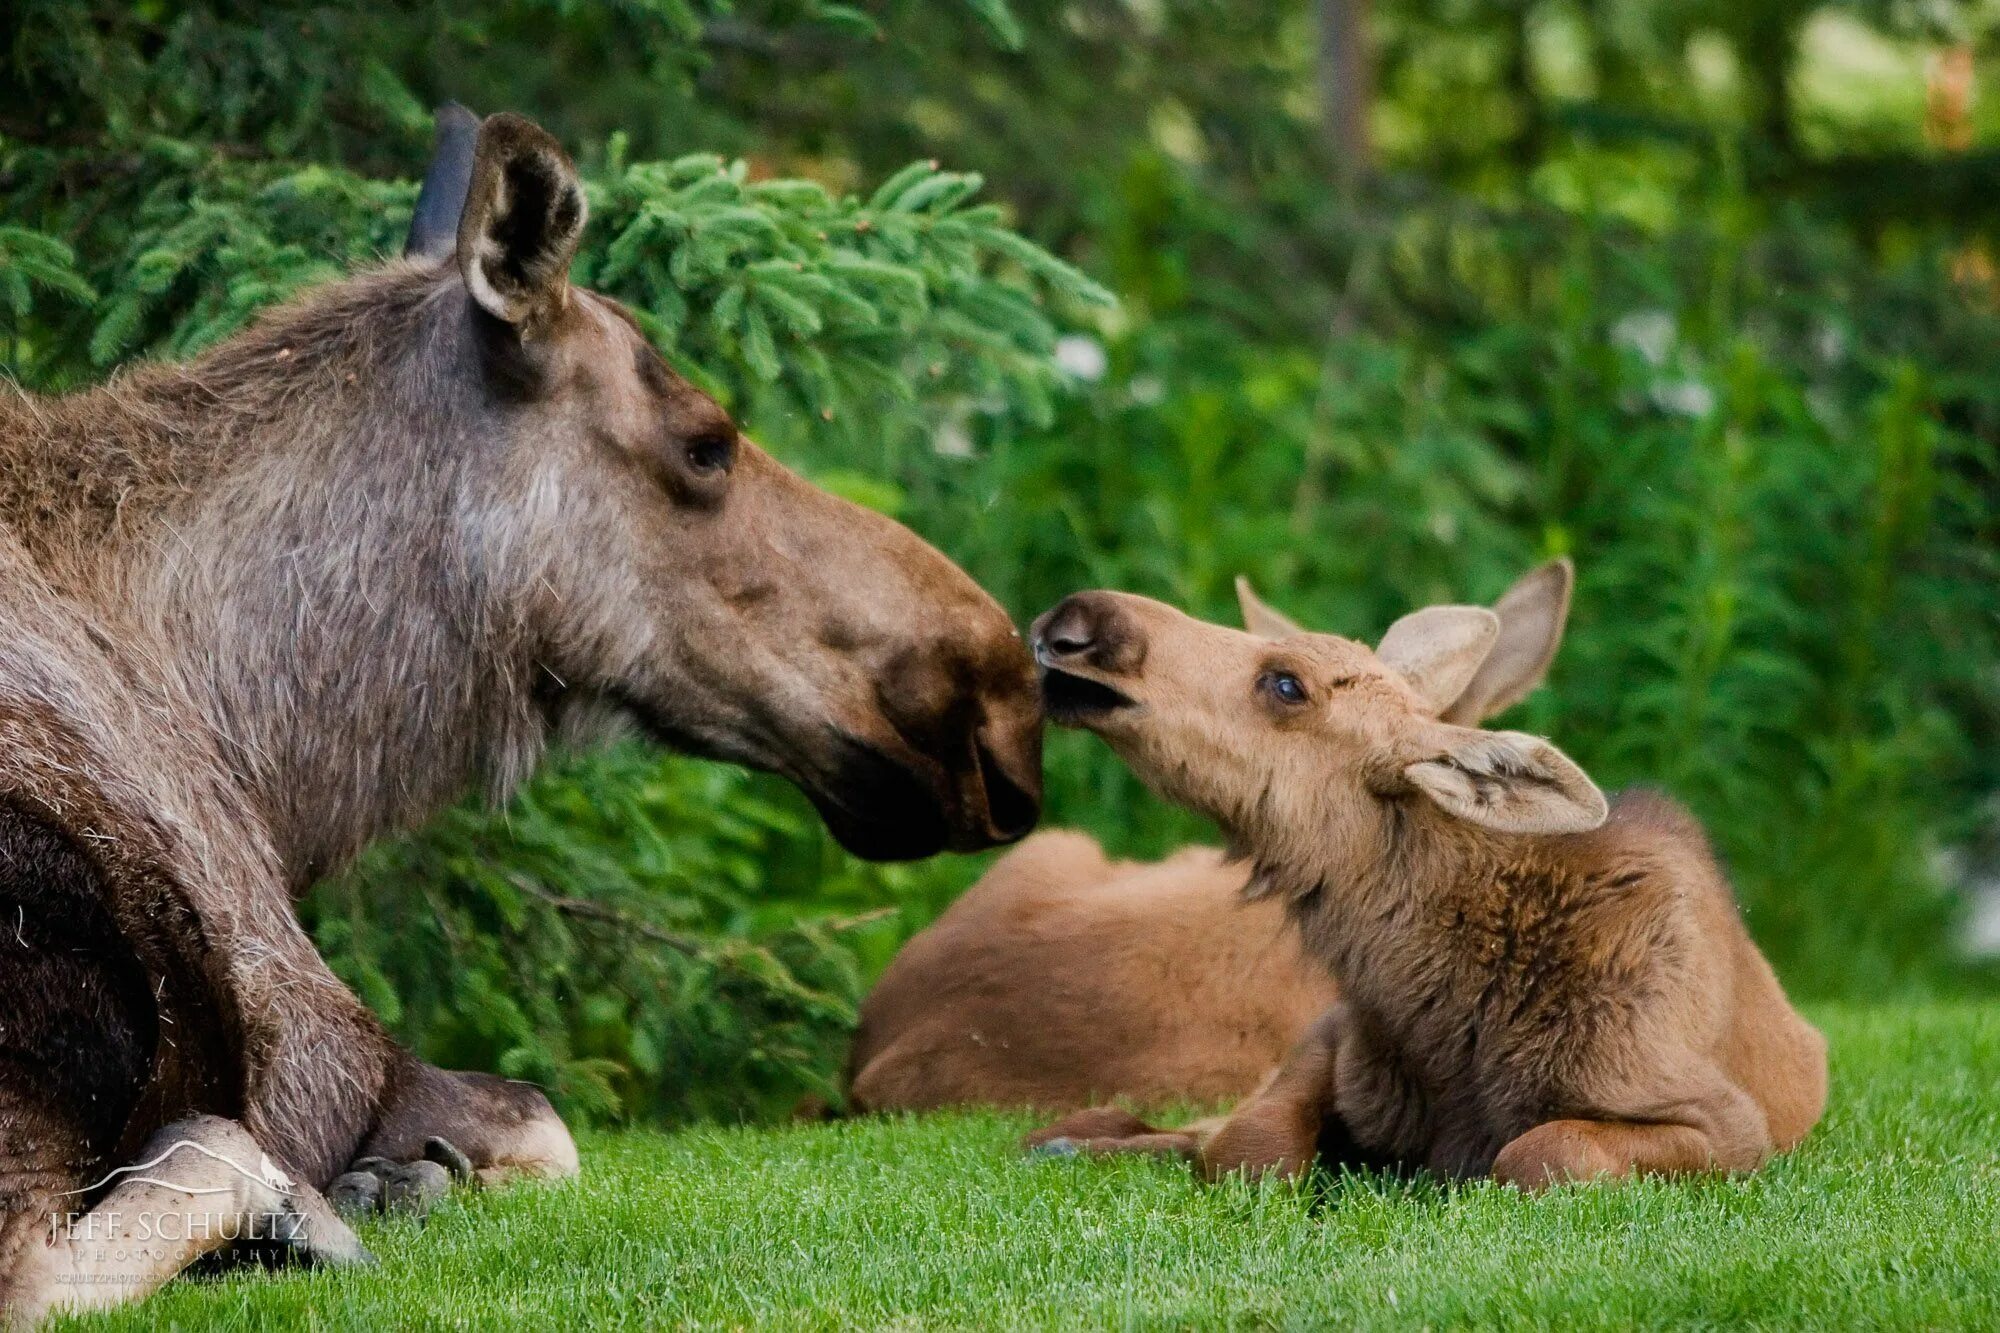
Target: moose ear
1532, 615
1438, 650
524, 215
1261, 620
441, 198
1508, 782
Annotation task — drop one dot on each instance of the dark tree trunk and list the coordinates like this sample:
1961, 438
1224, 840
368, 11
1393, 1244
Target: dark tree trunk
1346, 85
1527, 145
1769, 43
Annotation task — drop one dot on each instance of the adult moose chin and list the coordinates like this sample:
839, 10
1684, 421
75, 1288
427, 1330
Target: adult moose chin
259, 609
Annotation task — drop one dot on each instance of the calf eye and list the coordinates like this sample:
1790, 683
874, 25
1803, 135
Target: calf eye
713, 452
1284, 686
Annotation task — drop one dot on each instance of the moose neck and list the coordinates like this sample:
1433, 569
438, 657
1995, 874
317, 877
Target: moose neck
277, 535
1385, 888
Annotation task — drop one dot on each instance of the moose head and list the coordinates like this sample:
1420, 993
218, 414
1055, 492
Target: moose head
463, 508
1274, 730
670, 571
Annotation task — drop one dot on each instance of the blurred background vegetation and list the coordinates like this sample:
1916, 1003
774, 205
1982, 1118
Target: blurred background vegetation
1409, 295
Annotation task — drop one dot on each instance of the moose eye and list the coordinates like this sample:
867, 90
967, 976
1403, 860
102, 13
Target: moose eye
713, 452
1284, 686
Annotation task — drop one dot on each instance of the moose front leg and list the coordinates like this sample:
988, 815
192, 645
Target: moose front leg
330, 1087
438, 1126
1278, 1129
198, 1186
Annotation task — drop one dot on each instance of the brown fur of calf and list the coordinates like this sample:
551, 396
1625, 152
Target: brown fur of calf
1534, 985
1062, 979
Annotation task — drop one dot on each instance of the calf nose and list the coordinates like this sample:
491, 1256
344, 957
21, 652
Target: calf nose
1069, 631
1087, 629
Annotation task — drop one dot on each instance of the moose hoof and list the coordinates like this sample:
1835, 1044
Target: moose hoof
377, 1184
446, 1155
356, 1194
415, 1187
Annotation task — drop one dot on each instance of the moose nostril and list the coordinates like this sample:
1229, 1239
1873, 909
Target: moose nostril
1069, 631
1069, 639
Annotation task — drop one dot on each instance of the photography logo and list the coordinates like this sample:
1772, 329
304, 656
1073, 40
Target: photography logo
178, 1213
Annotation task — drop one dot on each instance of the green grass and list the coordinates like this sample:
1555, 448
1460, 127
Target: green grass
1889, 1215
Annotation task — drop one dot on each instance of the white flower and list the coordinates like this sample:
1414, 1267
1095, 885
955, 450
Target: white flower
953, 440
1081, 357
1688, 398
1650, 333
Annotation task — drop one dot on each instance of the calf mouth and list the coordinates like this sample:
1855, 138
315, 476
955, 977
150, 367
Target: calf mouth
1078, 701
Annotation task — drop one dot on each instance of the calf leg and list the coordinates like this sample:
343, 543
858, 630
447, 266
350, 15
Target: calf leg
200, 1185
1565, 1150
1720, 1129
1278, 1128
1107, 1130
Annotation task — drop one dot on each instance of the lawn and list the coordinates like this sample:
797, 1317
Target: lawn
1890, 1214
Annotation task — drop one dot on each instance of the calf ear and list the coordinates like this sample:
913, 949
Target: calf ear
524, 215
441, 199
1438, 650
1507, 782
1532, 615
1261, 620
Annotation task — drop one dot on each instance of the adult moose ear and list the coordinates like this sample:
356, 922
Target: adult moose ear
524, 215
1506, 781
1439, 649
1261, 620
1532, 615
441, 198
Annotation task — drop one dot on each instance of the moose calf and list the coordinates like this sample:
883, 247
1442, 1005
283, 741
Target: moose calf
1534, 984
1063, 979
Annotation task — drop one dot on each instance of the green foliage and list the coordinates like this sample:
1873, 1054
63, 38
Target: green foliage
648, 941
1781, 514
781, 294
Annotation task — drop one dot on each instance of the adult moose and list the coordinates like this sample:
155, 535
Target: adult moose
258, 609
1063, 979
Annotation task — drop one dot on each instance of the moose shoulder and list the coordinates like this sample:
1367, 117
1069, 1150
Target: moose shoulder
377, 551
